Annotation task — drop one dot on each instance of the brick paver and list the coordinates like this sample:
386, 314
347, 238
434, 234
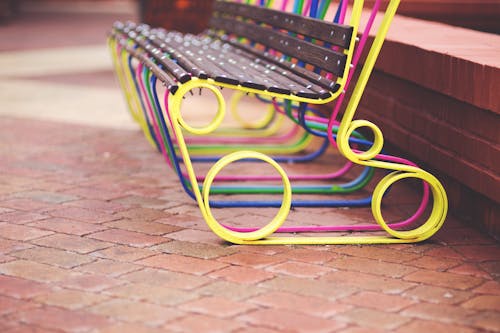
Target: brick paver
96, 236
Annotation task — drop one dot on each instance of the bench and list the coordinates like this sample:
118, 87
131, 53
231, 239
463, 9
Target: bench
278, 56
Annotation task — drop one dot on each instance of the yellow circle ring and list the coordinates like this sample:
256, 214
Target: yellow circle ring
378, 139
436, 217
216, 121
236, 236
235, 100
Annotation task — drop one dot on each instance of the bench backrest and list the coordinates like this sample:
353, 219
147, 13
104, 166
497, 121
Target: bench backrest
326, 46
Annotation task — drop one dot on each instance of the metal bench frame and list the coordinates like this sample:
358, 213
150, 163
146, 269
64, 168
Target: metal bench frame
180, 79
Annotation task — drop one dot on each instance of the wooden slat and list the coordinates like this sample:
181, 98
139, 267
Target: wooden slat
336, 34
157, 71
324, 58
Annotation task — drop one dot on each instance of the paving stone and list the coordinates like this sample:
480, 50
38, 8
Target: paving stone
143, 214
379, 301
377, 253
366, 265
240, 274
63, 319
445, 252
484, 302
156, 294
9, 305
308, 287
358, 329
6, 258
255, 329
216, 307
479, 253
299, 269
94, 204
143, 202
311, 256
67, 226
490, 287
313, 306
190, 235
108, 267
254, 260
365, 281
21, 232
83, 214
177, 263
21, 288
418, 326
130, 328
492, 267
437, 295
435, 263
7, 245
122, 252
129, 238
19, 217
53, 257
33, 271
439, 312
198, 250
230, 290
93, 193
286, 320
46, 196
470, 269
137, 312
168, 279
201, 323
145, 227
70, 299
373, 318
486, 320
443, 279
90, 282
77, 244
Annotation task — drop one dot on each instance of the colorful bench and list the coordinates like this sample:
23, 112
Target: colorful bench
291, 62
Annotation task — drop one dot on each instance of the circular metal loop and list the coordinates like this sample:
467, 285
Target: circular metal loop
236, 236
219, 116
258, 124
436, 217
378, 140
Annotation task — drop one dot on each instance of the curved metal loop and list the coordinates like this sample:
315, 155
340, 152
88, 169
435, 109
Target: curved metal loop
259, 124
236, 236
373, 151
437, 215
219, 116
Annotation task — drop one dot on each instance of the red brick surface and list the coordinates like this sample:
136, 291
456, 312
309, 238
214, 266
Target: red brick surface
112, 274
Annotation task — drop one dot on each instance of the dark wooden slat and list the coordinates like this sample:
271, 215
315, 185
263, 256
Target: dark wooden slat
157, 71
178, 56
250, 73
321, 57
280, 62
180, 73
331, 33
211, 69
273, 81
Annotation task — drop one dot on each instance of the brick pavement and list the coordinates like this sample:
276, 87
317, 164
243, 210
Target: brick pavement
96, 237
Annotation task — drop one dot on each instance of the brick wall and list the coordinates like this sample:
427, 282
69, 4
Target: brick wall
435, 96
475, 14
